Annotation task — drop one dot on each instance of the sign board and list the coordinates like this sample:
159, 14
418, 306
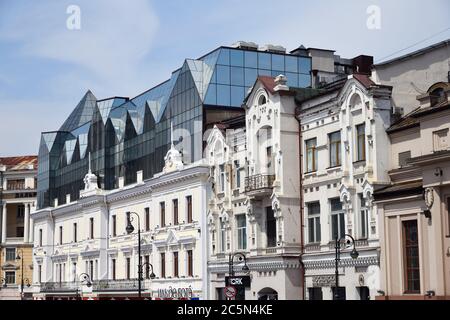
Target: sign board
230, 291
324, 281
238, 281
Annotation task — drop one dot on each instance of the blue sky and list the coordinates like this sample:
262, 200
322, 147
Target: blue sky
126, 47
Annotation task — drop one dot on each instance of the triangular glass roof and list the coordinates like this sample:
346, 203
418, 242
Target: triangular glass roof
83, 113
49, 139
105, 106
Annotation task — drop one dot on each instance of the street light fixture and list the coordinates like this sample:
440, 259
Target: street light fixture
130, 229
349, 241
87, 279
20, 257
245, 268
4, 285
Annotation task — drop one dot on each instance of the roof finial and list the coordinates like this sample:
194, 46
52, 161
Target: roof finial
89, 163
171, 135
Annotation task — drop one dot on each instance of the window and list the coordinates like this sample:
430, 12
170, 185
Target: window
10, 254
175, 211
437, 96
75, 232
20, 211
311, 155
340, 293
361, 142
190, 264
162, 206
440, 140
175, 264
238, 174
337, 219
60, 234
335, 148
147, 266
40, 237
91, 228
271, 229
189, 208
113, 269
269, 159
364, 217
241, 231
222, 177
114, 225
19, 232
403, 158
128, 268
315, 293
147, 219
163, 264
10, 277
40, 273
91, 269
74, 271
223, 236
411, 254
313, 222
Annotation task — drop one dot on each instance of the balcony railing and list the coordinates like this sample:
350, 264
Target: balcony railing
97, 285
258, 182
60, 286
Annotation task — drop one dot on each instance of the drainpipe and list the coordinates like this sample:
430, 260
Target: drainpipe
302, 247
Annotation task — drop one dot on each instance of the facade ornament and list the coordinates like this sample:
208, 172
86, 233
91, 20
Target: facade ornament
428, 197
90, 179
173, 159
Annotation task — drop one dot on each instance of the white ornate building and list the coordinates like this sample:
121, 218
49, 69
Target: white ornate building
255, 204
89, 236
344, 156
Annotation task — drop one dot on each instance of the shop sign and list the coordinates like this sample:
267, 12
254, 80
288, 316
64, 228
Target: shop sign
175, 293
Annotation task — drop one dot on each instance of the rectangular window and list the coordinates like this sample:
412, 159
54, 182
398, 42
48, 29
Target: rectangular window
10, 277
10, 254
337, 219
364, 217
40, 237
74, 271
315, 293
40, 273
163, 264
190, 264
19, 232
91, 269
361, 142
128, 269
75, 232
147, 219
189, 208
440, 140
222, 177
403, 158
175, 211
411, 254
238, 174
311, 155
147, 266
60, 234
162, 206
335, 148
114, 225
20, 211
271, 229
314, 235
91, 228
113, 269
241, 231
175, 264
223, 236
269, 159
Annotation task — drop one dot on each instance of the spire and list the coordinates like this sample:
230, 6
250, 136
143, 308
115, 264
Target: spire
89, 171
171, 136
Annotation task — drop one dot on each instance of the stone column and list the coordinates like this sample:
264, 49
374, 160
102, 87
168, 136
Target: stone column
31, 232
4, 221
26, 222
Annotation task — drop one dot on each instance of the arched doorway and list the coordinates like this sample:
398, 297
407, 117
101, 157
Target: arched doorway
267, 294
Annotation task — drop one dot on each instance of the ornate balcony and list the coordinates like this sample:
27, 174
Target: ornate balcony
259, 185
60, 286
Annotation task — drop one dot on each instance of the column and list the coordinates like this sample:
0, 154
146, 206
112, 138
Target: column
31, 236
26, 222
4, 223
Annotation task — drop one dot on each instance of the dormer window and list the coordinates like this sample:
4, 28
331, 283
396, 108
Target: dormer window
437, 96
262, 100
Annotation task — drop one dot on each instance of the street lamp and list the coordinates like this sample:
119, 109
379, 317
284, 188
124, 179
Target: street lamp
84, 278
3, 280
354, 254
20, 257
129, 228
149, 265
231, 262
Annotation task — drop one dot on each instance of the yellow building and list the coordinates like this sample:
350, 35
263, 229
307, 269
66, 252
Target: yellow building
17, 200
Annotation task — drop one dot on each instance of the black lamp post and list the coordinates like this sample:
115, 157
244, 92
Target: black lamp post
231, 263
3, 280
130, 230
349, 241
85, 278
20, 257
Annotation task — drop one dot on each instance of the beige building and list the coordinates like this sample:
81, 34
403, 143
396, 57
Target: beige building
17, 199
414, 209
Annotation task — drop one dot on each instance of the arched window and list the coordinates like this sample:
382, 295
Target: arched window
262, 100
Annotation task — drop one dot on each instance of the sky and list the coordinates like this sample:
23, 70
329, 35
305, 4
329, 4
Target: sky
122, 48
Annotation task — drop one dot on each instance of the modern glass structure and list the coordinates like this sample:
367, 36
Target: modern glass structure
126, 135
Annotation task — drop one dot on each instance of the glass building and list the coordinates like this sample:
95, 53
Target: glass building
126, 135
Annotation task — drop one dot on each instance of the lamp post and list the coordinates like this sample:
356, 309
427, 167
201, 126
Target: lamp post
231, 262
20, 257
3, 280
130, 230
84, 277
354, 254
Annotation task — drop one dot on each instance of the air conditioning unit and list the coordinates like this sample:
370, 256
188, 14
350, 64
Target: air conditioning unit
245, 45
273, 48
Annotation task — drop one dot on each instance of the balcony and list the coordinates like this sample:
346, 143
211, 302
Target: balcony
259, 185
60, 286
97, 285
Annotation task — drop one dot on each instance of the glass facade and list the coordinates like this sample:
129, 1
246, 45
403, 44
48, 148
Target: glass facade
126, 135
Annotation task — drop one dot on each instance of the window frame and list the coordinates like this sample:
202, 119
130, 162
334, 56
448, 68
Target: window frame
313, 218
162, 213
189, 208
241, 232
314, 154
337, 155
406, 268
338, 213
175, 212
361, 154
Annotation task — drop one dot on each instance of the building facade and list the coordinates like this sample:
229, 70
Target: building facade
343, 157
17, 200
88, 237
414, 208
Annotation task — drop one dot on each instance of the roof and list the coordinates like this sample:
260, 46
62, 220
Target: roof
19, 163
364, 80
399, 189
414, 53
